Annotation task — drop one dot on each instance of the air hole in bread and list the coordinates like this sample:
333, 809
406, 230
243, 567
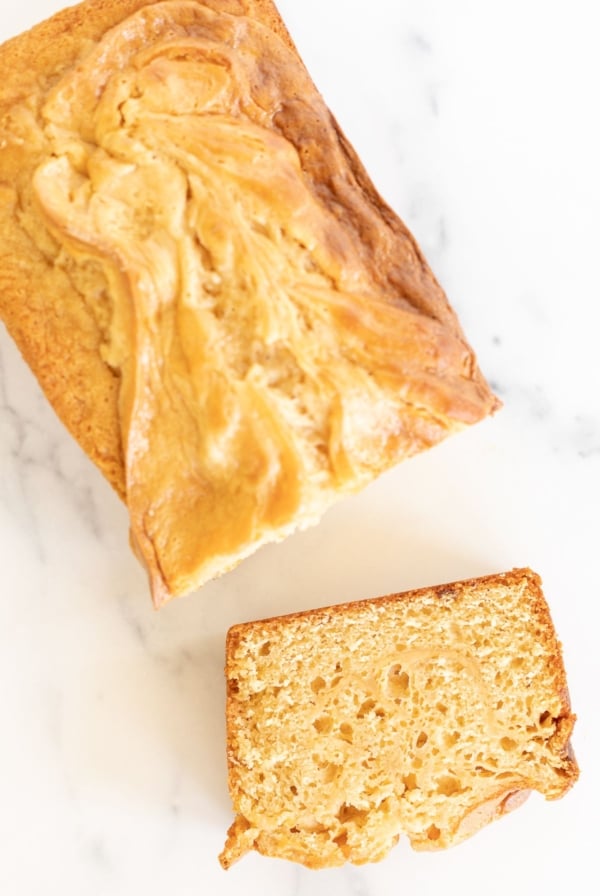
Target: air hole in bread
341, 839
323, 724
366, 707
451, 738
348, 813
346, 732
410, 781
331, 772
398, 681
448, 785
317, 684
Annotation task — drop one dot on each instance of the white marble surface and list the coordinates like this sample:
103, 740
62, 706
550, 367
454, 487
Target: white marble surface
478, 122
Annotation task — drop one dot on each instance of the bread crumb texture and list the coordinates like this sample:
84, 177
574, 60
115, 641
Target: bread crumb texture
427, 714
212, 294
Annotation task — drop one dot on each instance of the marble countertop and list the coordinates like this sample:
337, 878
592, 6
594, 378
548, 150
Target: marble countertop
478, 124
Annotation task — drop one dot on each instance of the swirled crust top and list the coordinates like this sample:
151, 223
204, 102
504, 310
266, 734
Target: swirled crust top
268, 331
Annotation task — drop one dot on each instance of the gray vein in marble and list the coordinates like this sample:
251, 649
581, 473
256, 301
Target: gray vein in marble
129, 614
420, 42
586, 435
540, 403
576, 436
40, 444
98, 852
433, 100
153, 637
79, 488
14, 479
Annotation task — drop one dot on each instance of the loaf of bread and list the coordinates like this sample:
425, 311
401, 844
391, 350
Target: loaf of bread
427, 714
199, 272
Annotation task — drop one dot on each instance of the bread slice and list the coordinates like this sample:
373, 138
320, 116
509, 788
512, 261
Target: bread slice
198, 270
426, 714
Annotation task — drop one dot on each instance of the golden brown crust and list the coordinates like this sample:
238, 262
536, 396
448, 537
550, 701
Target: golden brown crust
320, 844
64, 354
510, 579
342, 288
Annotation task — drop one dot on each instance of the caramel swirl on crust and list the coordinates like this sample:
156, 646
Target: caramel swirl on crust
271, 349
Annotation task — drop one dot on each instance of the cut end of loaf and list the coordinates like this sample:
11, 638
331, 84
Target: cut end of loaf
427, 714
